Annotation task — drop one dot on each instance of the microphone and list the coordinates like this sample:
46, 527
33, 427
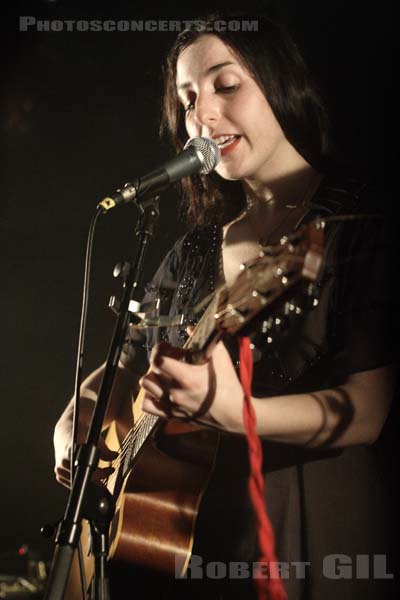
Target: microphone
200, 155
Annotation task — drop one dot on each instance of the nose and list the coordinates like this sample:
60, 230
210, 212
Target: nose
206, 112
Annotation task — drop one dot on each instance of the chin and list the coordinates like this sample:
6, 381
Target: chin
231, 174
229, 177
238, 171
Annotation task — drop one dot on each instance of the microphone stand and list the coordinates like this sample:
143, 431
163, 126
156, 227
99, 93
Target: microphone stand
87, 500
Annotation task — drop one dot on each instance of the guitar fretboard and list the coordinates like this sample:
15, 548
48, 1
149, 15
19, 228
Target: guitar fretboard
135, 439
147, 423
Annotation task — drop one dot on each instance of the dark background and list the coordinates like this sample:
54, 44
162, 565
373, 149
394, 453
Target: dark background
79, 118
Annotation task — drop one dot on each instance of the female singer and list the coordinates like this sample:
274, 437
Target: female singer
321, 389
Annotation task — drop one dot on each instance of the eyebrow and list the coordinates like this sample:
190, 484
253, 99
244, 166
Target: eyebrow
208, 72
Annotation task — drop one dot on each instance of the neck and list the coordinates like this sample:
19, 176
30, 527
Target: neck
288, 181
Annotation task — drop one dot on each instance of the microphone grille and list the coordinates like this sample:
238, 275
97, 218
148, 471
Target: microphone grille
208, 152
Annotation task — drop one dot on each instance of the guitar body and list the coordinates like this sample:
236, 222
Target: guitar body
157, 501
156, 513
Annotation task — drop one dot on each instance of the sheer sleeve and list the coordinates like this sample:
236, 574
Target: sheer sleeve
362, 307
162, 286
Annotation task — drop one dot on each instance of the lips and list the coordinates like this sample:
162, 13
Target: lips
227, 142
231, 146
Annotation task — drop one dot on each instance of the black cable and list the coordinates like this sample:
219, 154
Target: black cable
82, 332
78, 372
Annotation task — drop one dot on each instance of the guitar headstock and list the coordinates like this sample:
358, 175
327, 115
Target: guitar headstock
267, 280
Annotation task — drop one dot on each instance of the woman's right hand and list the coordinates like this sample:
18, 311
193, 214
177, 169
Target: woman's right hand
126, 382
62, 449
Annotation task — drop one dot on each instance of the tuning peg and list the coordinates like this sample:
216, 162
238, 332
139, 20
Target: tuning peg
313, 294
289, 308
313, 290
281, 323
267, 325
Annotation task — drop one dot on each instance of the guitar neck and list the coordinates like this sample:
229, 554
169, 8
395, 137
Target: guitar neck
200, 345
205, 335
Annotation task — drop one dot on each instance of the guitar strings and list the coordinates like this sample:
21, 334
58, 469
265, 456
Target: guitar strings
125, 447
130, 438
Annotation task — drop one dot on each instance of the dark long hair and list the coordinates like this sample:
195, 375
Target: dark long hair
273, 59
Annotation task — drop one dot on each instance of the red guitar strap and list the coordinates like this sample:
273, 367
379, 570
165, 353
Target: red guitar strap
268, 582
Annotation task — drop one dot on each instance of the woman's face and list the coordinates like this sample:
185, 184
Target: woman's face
222, 101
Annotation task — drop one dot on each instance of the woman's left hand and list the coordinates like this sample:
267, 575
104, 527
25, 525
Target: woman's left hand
210, 393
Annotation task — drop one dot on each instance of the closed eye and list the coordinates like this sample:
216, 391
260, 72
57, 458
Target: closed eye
226, 89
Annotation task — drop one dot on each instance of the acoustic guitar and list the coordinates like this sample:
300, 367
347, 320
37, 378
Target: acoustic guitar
164, 466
